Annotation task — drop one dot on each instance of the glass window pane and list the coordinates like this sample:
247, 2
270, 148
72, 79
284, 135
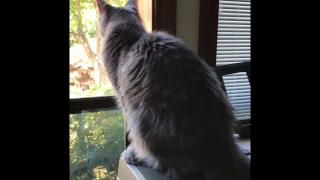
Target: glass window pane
96, 142
233, 46
239, 93
87, 77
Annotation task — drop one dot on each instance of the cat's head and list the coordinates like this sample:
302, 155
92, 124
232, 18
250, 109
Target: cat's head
109, 13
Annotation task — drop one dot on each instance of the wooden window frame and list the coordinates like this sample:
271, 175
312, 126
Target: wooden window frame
208, 30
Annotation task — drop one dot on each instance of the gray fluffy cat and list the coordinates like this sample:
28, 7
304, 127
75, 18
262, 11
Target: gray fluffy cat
178, 118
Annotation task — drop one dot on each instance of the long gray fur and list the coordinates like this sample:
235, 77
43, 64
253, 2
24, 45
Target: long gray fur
178, 118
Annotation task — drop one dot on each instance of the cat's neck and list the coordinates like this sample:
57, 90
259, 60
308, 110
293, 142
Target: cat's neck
118, 39
122, 35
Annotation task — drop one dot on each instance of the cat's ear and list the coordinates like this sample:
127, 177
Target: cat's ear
132, 4
101, 5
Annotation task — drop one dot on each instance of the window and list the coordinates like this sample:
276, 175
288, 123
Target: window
233, 46
96, 128
96, 138
87, 77
96, 142
97, 135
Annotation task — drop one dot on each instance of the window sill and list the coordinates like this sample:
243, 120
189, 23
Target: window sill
132, 172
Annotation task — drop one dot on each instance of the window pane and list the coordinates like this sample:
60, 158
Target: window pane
96, 142
239, 93
233, 46
87, 77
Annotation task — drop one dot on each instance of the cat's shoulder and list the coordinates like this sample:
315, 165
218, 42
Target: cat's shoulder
158, 41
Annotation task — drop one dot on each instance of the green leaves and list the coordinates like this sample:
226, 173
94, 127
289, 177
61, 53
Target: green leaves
96, 141
82, 13
117, 3
87, 18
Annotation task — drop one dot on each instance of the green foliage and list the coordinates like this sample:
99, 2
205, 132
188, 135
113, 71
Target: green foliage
96, 142
96, 90
100, 89
88, 16
117, 3
87, 20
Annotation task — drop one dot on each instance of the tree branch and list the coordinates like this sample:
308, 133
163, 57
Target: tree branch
81, 37
76, 36
79, 15
73, 34
74, 13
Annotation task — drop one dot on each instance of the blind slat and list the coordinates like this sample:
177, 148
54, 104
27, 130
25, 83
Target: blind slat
232, 30
243, 116
226, 41
234, 45
239, 95
234, 98
226, 63
235, 10
235, 3
234, 52
235, 76
238, 84
233, 55
234, 14
241, 101
234, 18
241, 106
234, 22
225, 6
234, 26
242, 111
234, 38
238, 91
227, 49
234, 33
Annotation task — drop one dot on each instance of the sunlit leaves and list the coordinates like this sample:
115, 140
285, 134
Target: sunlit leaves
117, 3
88, 16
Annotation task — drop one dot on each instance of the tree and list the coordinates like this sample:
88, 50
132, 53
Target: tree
83, 25
87, 76
96, 142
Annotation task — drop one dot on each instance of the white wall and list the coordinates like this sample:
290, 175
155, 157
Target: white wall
188, 22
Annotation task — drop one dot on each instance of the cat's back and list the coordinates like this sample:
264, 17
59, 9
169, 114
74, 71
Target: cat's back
164, 84
163, 63
160, 69
153, 46
162, 53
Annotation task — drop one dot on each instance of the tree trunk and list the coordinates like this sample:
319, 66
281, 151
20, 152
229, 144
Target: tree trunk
99, 75
80, 37
100, 68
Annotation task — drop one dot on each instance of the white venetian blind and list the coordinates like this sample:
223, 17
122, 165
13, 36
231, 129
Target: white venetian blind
234, 47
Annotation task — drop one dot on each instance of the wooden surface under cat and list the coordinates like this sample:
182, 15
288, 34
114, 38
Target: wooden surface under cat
132, 172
